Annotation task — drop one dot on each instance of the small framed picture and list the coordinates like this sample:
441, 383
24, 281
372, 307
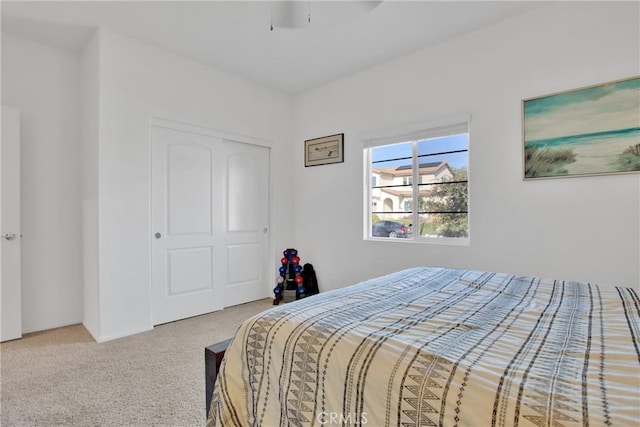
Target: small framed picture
325, 150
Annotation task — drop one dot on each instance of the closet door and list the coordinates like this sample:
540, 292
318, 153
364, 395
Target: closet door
10, 286
209, 218
246, 233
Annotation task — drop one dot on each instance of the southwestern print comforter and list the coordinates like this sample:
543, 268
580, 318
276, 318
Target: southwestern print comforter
438, 347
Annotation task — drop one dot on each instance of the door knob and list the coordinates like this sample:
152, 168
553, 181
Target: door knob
158, 235
9, 236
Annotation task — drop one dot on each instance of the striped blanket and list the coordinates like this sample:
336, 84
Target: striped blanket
434, 346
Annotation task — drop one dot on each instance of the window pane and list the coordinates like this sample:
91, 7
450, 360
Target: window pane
444, 207
392, 191
446, 197
443, 144
443, 225
453, 160
395, 204
392, 194
391, 165
434, 172
394, 151
392, 172
438, 198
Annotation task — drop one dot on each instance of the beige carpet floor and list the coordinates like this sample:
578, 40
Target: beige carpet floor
62, 377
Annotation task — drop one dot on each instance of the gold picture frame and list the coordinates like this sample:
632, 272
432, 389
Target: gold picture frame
593, 130
325, 150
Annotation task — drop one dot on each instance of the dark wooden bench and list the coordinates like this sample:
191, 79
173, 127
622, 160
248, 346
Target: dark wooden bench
213, 355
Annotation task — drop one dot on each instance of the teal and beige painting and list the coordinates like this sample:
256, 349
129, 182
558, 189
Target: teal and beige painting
589, 131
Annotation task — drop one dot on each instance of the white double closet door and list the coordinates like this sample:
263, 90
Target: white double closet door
209, 219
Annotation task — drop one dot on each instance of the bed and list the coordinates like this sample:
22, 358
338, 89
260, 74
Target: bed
434, 346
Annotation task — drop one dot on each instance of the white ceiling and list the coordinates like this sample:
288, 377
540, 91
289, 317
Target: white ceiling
343, 37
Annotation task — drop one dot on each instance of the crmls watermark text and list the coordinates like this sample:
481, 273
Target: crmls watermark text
339, 418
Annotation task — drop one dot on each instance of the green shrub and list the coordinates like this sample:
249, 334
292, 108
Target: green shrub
547, 161
629, 160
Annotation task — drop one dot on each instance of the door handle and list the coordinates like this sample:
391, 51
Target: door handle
158, 235
9, 236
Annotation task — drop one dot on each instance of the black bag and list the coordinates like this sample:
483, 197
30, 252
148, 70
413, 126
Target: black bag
309, 280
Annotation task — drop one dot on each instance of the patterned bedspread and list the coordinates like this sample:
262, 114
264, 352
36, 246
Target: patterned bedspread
434, 346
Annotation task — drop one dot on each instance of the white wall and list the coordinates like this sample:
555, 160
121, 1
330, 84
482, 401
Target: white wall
42, 82
138, 82
572, 228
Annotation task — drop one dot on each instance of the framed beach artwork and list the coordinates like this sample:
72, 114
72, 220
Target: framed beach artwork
325, 150
593, 130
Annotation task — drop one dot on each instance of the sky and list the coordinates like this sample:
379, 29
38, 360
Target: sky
429, 146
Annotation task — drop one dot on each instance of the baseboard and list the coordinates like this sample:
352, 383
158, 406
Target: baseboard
105, 338
50, 327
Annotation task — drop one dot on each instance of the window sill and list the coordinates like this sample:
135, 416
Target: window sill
448, 241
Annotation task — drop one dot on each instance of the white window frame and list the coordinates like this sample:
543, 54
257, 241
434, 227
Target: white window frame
415, 132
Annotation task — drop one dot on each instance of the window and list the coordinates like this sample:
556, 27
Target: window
419, 185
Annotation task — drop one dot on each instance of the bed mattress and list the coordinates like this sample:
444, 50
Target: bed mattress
434, 346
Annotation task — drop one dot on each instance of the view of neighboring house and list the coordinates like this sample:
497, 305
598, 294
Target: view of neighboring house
391, 187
